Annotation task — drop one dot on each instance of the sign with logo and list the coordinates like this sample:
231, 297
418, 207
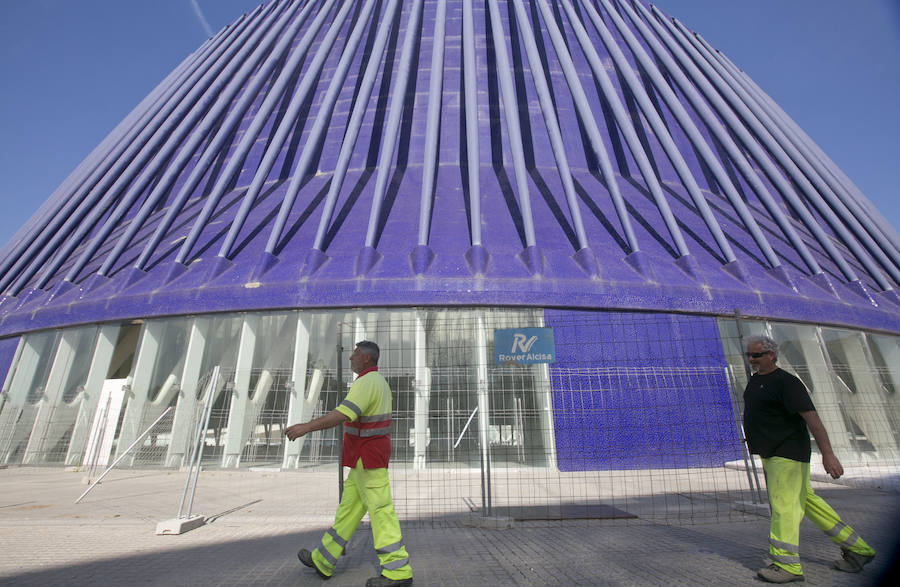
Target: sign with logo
524, 346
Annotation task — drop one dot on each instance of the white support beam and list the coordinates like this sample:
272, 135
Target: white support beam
100, 361
238, 422
188, 406
422, 384
298, 409
50, 421
148, 349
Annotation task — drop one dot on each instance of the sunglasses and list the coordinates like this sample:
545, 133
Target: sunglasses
758, 355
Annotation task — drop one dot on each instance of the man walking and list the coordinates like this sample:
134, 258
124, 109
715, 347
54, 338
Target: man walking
366, 416
777, 412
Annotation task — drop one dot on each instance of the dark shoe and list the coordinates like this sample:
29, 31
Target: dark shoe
775, 574
305, 557
382, 581
852, 562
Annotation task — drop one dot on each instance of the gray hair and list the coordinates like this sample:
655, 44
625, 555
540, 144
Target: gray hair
766, 342
369, 348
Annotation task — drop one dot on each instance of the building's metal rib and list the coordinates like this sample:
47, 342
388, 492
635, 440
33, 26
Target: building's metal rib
319, 125
587, 117
307, 84
473, 163
659, 128
432, 129
213, 149
93, 201
747, 119
551, 123
276, 91
697, 79
122, 138
392, 129
831, 188
202, 133
237, 158
356, 119
207, 110
796, 165
634, 143
514, 130
693, 133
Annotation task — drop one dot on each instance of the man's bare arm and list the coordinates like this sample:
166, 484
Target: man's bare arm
829, 461
329, 420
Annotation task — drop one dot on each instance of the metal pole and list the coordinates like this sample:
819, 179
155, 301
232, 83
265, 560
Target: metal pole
199, 433
122, 456
740, 329
201, 437
745, 453
340, 386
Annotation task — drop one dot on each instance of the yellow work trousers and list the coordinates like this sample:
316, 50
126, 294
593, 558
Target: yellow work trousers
366, 490
790, 498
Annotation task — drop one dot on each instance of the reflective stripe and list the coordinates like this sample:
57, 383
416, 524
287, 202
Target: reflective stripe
850, 540
353, 407
327, 555
375, 418
397, 564
337, 539
836, 529
785, 559
366, 432
784, 545
389, 548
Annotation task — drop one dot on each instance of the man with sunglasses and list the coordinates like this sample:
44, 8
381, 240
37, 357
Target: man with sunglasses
777, 413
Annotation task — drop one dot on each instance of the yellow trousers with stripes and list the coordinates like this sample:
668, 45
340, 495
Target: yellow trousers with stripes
791, 498
366, 490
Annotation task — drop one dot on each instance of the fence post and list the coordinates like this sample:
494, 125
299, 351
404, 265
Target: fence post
340, 385
745, 448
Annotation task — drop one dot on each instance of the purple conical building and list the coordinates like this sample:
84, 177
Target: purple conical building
427, 174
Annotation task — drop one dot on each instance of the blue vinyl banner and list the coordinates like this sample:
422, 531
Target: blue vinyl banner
524, 346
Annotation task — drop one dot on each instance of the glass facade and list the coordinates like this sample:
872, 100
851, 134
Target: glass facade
848, 373
453, 407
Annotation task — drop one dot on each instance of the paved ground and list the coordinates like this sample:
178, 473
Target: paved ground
257, 522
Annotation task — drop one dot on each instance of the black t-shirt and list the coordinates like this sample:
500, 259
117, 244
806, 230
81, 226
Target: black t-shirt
772, 420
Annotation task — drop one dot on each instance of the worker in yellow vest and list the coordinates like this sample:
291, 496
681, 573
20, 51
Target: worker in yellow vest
366, 416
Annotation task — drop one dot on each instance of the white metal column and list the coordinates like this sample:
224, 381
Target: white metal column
100, 361
238, 421
301, 405
423, 393
188, 403
148, 349
48, 424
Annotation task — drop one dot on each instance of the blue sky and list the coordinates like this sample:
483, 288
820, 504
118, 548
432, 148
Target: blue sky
71, 70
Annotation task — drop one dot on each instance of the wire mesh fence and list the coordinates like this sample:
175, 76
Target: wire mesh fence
636, 418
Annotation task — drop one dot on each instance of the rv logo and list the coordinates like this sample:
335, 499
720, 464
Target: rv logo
519, 340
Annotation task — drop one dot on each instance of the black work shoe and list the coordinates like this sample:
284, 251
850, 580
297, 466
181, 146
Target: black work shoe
775, 574
305, 557
852, 562
382, 581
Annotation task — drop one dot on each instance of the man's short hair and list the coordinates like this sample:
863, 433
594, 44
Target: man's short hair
370, 348
766, 342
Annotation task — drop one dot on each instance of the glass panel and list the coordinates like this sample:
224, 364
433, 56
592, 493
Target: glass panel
864, 409
55, 421
270, 391
800, 352
26, 389
885, 353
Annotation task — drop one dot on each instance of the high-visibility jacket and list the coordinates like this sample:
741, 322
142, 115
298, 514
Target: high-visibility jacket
367, 450
367, 434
